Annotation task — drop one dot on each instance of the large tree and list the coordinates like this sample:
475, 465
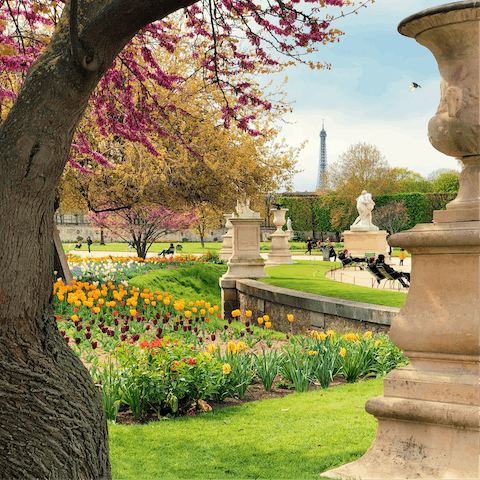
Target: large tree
51, 418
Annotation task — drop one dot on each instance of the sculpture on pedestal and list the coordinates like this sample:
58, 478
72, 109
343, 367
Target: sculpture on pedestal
365, 205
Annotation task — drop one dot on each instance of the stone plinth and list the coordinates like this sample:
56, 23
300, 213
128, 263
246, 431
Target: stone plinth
227, 244
279, 247
359, 242
428, 416
245, 261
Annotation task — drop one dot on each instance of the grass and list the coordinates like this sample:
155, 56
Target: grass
300, 277
190, 282
295, 437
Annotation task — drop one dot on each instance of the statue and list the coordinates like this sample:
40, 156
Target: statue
365, 206
243, 208
289, 225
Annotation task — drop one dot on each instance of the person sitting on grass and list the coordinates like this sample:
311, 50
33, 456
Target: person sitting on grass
78, 246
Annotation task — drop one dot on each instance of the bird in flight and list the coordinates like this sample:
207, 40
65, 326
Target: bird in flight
414, 85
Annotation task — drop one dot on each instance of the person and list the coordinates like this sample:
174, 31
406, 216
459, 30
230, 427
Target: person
401, 255
372, 267
78, 246
319, 245
130, 246
309, 246
380, 262
89, 243
331, 252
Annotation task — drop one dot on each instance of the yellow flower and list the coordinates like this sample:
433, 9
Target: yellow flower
342, 352
212, 348
313, 352
74, 318
208, 305
226, 368
236, 313
166, 301
215, 307
330, 333
323, 336
187, 313
260, 320
194, 309
266, 318
154, 303
248, 313
211, 310
290, 318
231, 347
268, 324
368, 334
133, 312
241, 346
378, 342
203, 311
191, 304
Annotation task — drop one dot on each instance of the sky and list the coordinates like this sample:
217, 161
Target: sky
365, 97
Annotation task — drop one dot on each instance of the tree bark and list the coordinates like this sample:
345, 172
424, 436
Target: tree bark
52, 424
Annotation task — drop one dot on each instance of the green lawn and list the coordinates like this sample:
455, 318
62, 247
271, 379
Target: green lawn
295, 437
300, 276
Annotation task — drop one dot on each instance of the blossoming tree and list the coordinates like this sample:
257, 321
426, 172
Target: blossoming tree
142, 225
52, 423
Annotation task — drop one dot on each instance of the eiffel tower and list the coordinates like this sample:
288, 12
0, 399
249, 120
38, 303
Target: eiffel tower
322, 161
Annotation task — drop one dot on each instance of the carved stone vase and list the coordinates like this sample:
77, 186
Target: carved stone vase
279, 248
428, 416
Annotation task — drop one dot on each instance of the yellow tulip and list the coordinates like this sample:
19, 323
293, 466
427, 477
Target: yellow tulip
342, 352
290, 318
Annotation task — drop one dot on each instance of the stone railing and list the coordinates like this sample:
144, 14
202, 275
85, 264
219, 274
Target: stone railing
310, 311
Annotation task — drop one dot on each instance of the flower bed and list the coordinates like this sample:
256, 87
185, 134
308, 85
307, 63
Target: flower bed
117, 269
155, 353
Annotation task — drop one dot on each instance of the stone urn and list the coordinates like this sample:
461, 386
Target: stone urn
428, 416
279, 253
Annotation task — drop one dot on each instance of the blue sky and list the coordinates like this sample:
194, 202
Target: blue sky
365, 97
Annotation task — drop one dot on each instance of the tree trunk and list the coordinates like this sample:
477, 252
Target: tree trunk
52, 424
102, 239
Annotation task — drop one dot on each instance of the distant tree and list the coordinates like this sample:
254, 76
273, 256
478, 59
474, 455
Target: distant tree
207, 218
446, 182
439, 171
392, 217
361, 167
141, 226
411, 182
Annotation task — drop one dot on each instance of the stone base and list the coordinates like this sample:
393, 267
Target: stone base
245, 268
279, 251
359, 243
428, 423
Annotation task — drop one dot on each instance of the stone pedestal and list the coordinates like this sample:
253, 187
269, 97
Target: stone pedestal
227, 244
245, 261
359, 242
428, 416
279, 248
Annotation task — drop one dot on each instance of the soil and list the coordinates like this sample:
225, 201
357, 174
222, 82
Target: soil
255, 392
